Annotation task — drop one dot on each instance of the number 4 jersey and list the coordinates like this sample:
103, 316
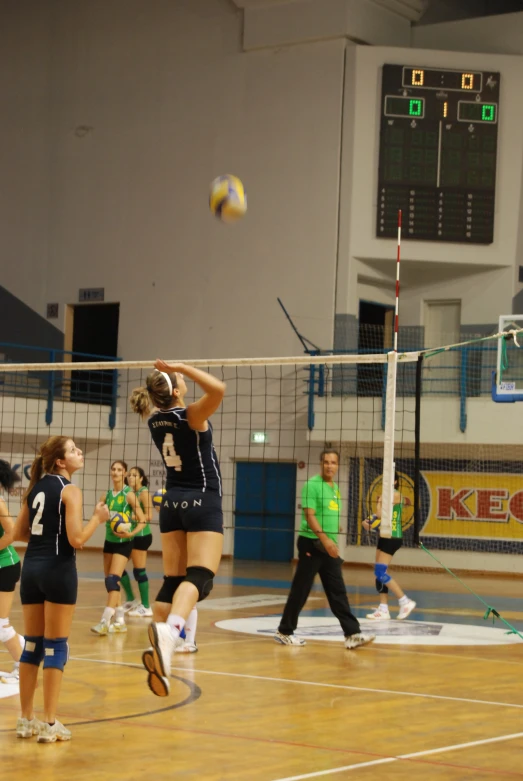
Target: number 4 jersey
47, 519
189, 456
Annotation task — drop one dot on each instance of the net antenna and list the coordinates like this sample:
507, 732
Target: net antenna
389, 467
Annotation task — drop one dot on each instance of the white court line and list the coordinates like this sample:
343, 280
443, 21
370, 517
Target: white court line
315, 683
388, 760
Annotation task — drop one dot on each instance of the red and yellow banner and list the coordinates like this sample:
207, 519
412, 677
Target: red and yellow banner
474, 505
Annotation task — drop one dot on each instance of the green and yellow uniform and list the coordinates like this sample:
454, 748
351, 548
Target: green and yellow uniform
325, 500
146, 529
117, 503
397, 531
8, 556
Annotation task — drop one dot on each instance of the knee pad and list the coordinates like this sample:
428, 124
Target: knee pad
112, 583
381, 588
380, 570
7, 632
168, 587
202, 578
33, 652
140, 575
56, 652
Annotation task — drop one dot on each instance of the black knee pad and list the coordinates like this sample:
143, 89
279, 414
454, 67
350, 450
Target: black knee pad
381, 588
140, 575
202, 578
168, 587
112, 583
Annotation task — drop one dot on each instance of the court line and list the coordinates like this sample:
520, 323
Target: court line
321, 685
388, 760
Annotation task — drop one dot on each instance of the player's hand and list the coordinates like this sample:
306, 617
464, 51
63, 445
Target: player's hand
331, 548
124, 535
102, 512
168, 368
366, 524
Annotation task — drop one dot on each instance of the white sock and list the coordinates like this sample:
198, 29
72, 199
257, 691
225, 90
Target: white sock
190, 626
176, 624
404, 600
108, 614
119, 617
384, 608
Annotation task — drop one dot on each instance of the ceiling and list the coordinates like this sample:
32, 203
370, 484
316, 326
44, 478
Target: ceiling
424, 11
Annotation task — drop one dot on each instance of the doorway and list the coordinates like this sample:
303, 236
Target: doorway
92, 329
265, 511
442, 321
375, 335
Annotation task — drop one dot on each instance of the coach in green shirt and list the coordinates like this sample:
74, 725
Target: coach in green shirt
318, 554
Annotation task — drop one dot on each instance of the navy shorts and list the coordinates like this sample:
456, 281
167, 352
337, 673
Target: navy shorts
191, 511
9, 577
143, 543
123, 548
390, 546
49, 580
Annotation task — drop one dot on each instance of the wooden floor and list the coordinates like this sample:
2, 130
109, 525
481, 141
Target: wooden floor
244, 707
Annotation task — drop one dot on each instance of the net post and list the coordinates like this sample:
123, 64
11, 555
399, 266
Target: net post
388, 446
463, 391
417, 451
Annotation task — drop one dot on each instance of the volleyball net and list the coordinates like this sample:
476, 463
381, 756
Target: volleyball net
424, 416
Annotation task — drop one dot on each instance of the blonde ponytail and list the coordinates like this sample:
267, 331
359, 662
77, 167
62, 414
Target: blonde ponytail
156, 393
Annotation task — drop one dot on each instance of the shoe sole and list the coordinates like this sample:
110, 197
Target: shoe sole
375, 618
158, 667
360, 645
148, 661
158, 684
100, 634
182, 650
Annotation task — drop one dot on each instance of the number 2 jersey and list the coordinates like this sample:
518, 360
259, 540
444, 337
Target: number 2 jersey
48, 535
189, 456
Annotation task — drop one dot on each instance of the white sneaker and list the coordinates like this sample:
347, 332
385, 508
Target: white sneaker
288, 639
130, 605
101, 629
186, 648
50, 734
163, 644
117, 627
13, 676
406, 610
26, 728
140, 612
379, 615
354, 641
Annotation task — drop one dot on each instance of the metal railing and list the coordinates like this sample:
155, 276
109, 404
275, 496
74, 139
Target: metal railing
84, 387
464, 372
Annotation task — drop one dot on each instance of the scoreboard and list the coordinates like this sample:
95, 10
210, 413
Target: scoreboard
437, 155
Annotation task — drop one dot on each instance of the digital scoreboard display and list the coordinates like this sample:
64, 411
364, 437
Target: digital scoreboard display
438, 149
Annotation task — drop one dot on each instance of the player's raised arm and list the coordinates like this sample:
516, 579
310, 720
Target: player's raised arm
213, 391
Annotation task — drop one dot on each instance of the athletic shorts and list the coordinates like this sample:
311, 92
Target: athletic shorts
390, 546
123, 548
191, 511
143, 543
49, 580
9, 577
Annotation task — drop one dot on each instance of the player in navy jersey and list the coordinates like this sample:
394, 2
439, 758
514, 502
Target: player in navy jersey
191, 519
51, 522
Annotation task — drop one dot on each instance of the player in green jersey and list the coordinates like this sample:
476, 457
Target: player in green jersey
117, 548
9, 575
139, 483
385, 550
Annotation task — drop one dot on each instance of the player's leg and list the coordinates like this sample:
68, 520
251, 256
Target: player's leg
139, 560
9, 577
32, 655
130, 600
386, 550
58, 620
382, 611
309, 562
114, 565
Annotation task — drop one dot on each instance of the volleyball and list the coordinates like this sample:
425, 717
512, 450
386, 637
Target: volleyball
120, 523
158, 497
227, 199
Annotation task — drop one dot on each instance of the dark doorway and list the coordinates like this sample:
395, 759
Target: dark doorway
374, 336
95, 332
